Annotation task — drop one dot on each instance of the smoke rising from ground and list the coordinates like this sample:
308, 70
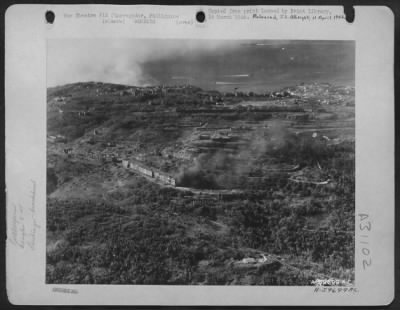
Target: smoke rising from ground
118, 61
208, 64
224, 170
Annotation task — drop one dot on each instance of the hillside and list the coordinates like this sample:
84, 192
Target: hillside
262, 191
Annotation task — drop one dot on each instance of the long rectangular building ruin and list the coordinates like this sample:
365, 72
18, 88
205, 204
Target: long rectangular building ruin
149, 172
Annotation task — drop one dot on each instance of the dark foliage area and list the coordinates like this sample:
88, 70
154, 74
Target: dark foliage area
150, 239
107, 224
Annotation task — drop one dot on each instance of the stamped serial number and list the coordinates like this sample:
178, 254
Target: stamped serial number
65, 290
330, 282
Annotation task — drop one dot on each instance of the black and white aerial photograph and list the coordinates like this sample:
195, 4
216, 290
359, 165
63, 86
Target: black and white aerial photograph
200, 162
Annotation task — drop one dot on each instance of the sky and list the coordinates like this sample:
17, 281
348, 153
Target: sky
210, 64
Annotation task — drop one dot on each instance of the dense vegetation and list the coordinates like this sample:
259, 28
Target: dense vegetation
146, 235
109, 225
